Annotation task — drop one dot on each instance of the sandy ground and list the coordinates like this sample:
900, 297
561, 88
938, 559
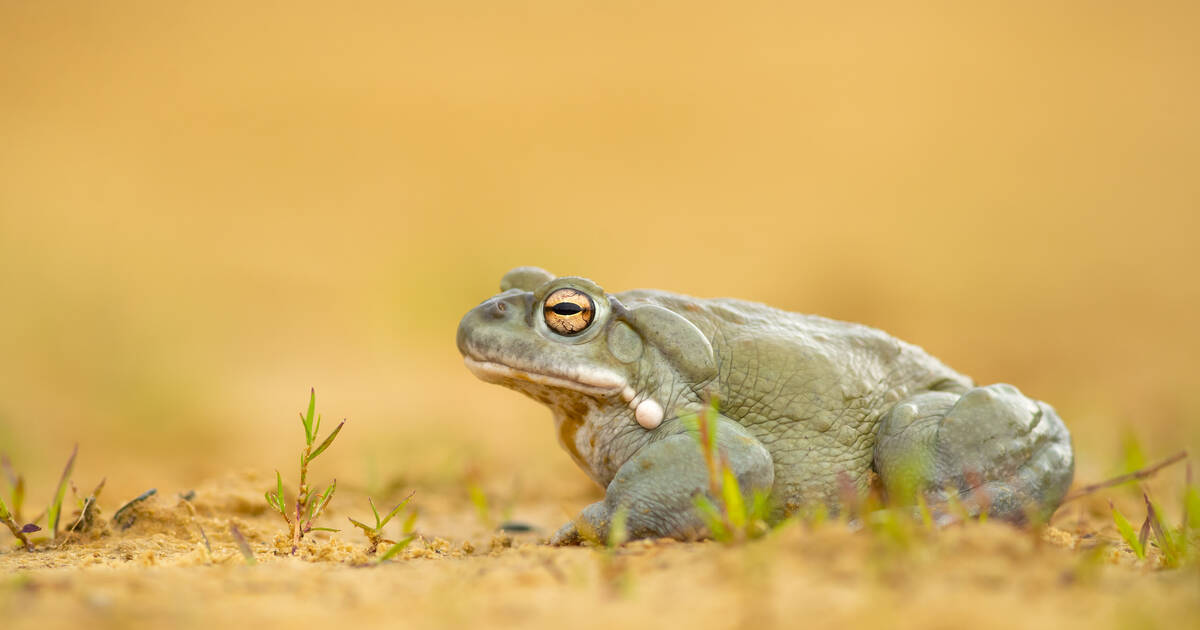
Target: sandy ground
159, 573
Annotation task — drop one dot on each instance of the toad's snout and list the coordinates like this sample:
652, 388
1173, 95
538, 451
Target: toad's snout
502, 310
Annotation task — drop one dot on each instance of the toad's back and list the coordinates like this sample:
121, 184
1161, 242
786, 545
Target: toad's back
811, 389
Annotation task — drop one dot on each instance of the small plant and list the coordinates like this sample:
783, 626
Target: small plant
88, 510
54, 512
19, 531
1126, 530
375, 534
728, 515
1176, 544
309, 505
11, 516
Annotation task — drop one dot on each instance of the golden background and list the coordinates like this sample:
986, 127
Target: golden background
206, 208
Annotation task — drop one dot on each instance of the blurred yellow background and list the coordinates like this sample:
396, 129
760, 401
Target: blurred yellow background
206, 208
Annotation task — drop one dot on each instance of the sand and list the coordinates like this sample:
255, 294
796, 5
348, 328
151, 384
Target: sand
158, 573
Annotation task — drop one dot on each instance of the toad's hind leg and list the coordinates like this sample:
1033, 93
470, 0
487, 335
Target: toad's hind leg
991, 446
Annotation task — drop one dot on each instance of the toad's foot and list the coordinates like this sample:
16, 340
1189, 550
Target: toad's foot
657, 486
991, 447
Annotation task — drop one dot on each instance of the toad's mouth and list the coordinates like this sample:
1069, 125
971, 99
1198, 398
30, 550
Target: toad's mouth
589, 381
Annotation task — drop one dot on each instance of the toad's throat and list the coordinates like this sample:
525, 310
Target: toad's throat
589, 381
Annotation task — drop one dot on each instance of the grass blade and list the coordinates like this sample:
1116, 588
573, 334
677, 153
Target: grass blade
307, 419
618, 533
378, 525
322, 502
395, 510
396, 548
1164, 536
328, 440
1127, 533
55, 510
363, 526
276, 500
1192, 503
712, 518
731, 494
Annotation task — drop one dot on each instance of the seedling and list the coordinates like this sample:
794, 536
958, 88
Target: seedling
1126, 531
87, 509
54, 512
11, 516
375, 534
309, 505
17, 482
19, 531
727, 514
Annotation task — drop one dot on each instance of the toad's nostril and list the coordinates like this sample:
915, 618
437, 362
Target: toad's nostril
496, 310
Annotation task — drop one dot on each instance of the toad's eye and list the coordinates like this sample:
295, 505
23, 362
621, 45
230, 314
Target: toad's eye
568, 312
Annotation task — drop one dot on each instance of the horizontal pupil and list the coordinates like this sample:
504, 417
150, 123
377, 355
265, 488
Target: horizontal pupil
566, 308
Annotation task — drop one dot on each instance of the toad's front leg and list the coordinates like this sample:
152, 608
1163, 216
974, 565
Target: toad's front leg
656, 487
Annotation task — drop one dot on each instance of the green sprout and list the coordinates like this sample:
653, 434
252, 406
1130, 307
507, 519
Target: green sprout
88, 511
11, 516
1126, 531
54, 512
375, 534
724, 510
21, 532
309, 505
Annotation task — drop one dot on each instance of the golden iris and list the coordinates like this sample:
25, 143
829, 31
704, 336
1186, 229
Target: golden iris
568, 311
